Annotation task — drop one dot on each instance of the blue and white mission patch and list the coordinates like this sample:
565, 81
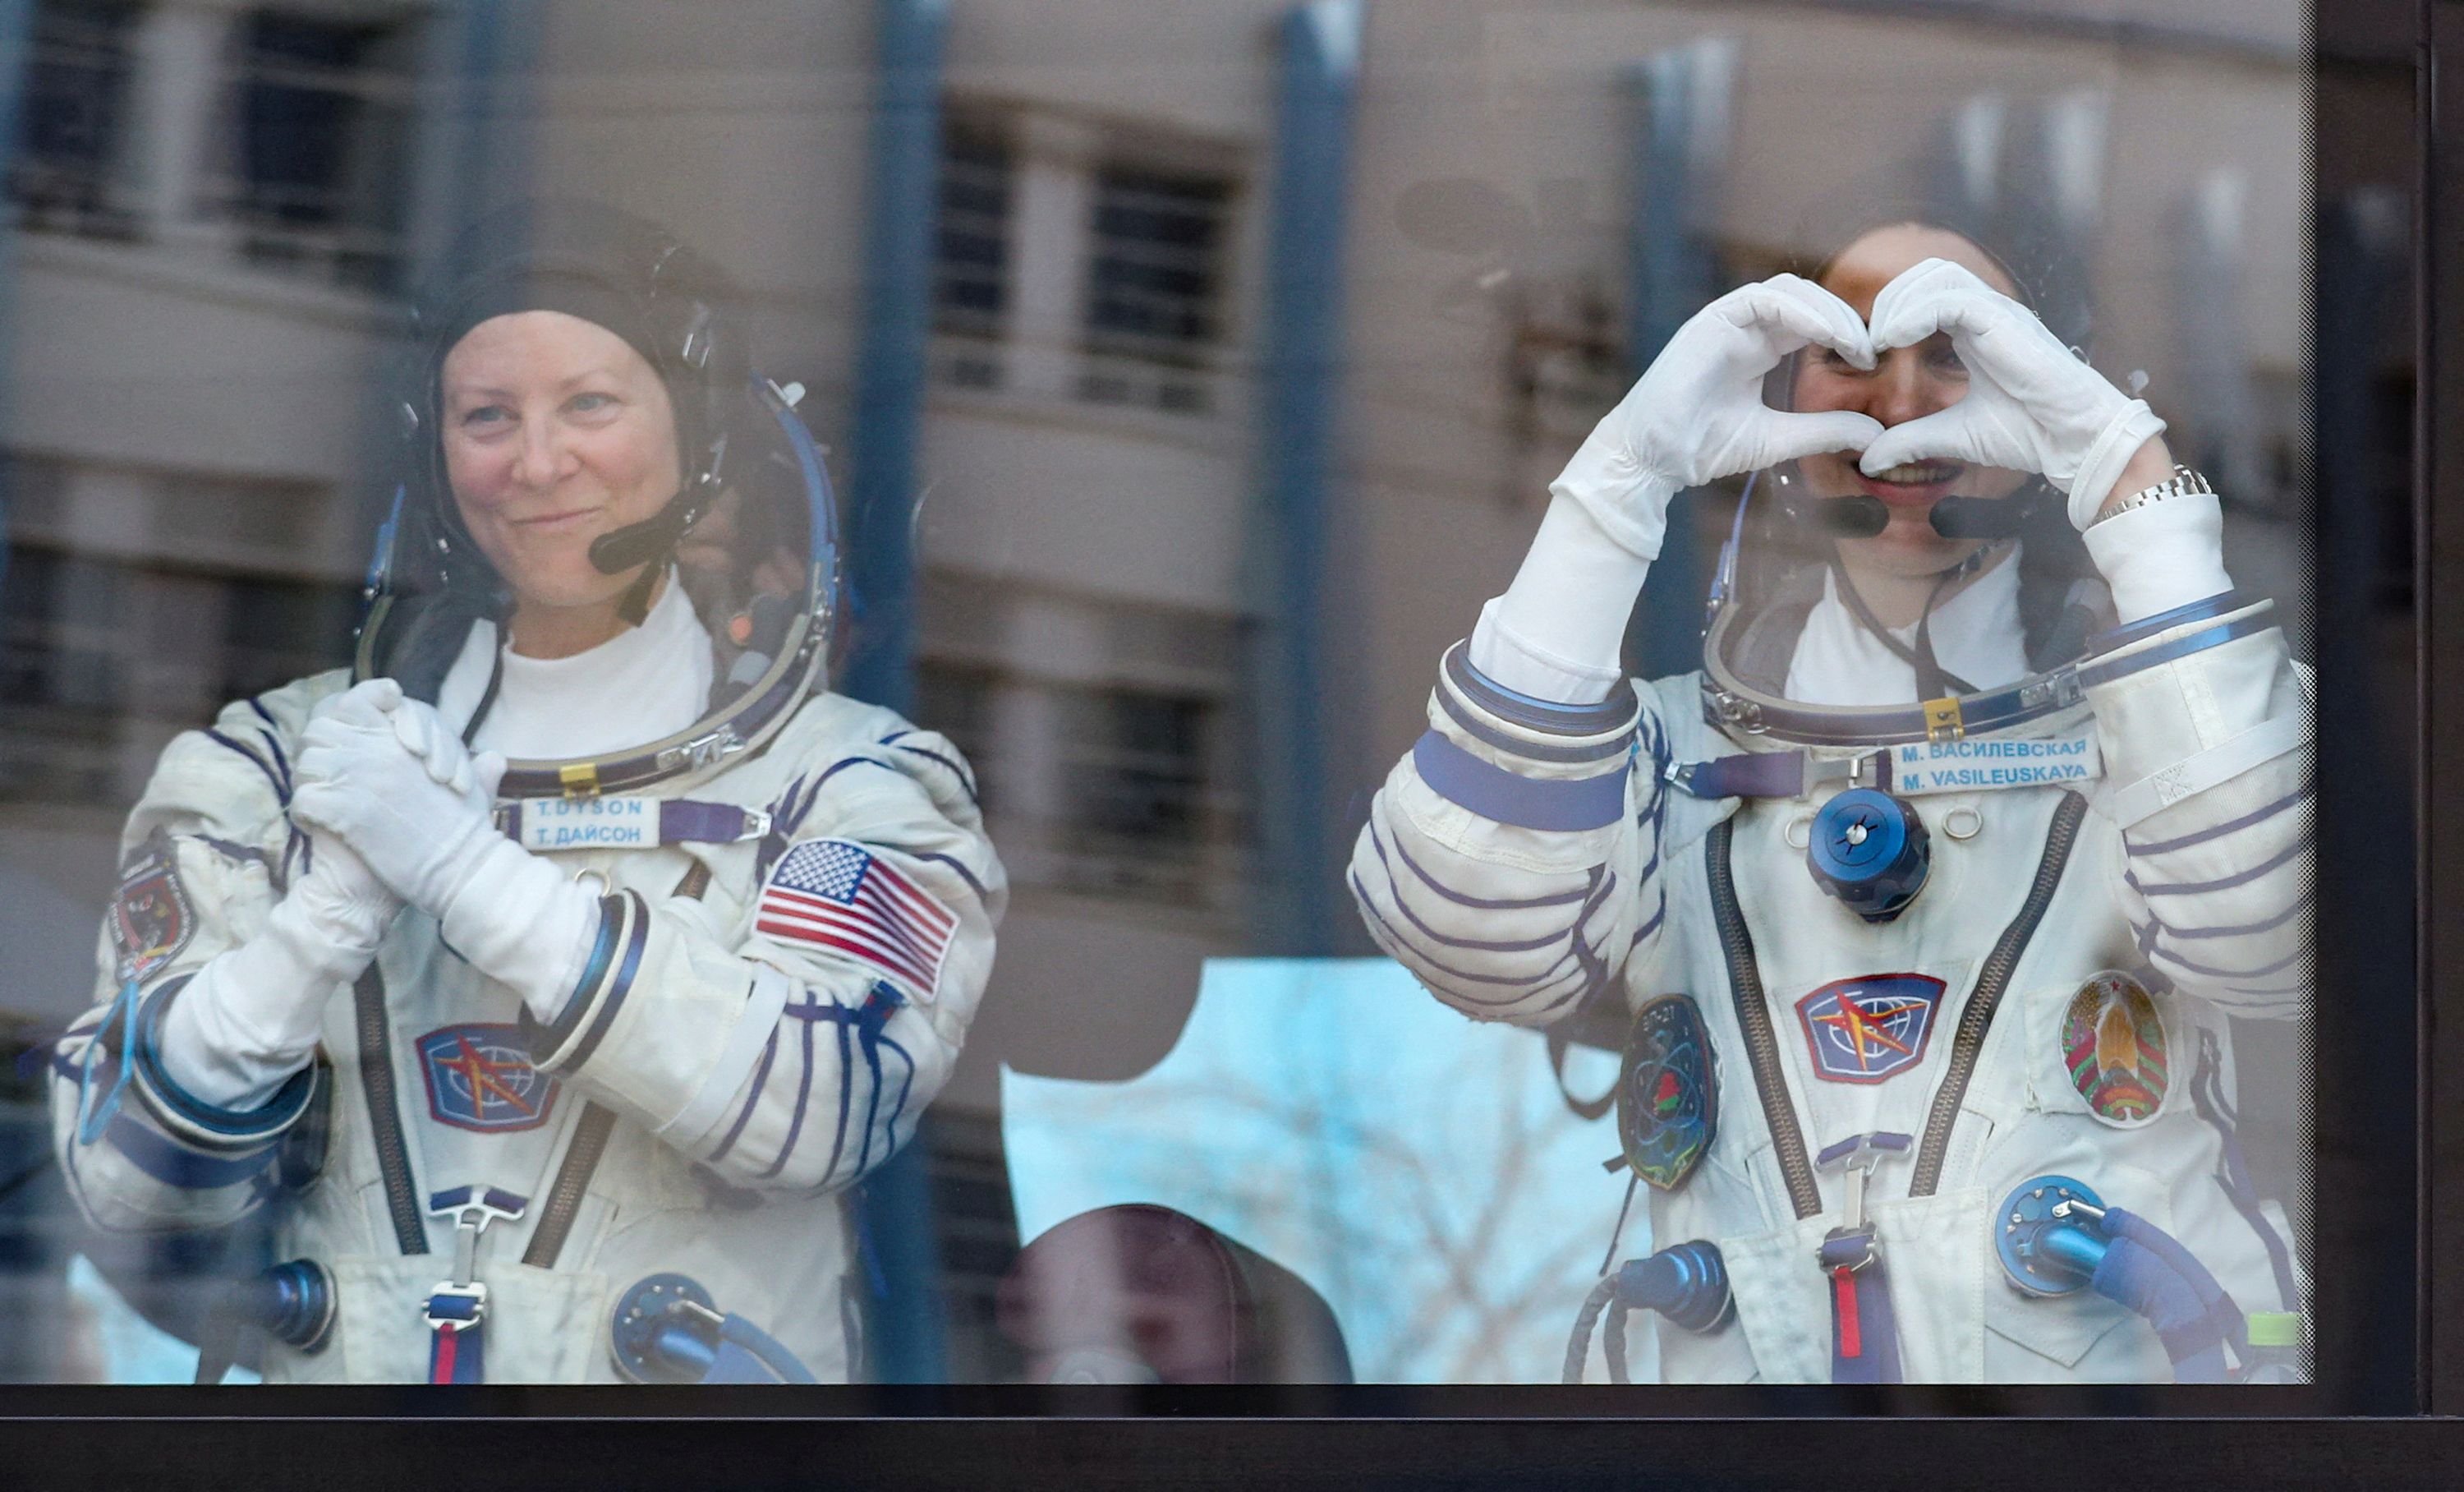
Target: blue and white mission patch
481, 1077
1870, 1028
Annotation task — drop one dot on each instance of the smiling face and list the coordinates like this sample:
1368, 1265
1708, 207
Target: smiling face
1905, 383
554, 431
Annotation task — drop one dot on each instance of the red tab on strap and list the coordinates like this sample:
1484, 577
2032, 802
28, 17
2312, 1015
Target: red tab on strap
1843, 1286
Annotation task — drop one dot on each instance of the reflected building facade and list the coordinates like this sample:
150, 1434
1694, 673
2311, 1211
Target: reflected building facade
219, 208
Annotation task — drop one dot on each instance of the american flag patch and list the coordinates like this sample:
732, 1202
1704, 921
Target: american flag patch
837, 894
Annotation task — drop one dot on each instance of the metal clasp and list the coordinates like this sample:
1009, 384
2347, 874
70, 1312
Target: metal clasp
472, 1208
1856, 1158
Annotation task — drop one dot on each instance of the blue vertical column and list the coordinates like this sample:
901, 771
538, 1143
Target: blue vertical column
476, 124
29, 1209
902, 191
1681, 100
472, 144
1302, 837
16, 38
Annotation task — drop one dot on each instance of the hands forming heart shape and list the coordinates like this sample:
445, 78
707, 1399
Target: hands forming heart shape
1698, 414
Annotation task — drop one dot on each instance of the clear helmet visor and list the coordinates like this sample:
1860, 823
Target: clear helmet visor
1789, 563
758, 560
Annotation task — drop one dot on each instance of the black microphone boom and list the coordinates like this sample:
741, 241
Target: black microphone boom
1861, 516
1981, 517
620, 549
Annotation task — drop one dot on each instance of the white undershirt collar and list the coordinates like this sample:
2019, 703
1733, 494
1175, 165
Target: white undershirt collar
643, 685
1977, 634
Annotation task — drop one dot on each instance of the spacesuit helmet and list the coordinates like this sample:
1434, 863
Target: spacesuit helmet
751, 530
1809, 526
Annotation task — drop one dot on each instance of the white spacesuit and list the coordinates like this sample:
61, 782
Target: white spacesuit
571, 1088
1871, 1057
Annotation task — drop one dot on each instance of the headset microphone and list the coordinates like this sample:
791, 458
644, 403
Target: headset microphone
1860, 516
620, 549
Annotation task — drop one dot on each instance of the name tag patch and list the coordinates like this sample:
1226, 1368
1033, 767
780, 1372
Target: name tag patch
1980, 766
617, 823
480, 1078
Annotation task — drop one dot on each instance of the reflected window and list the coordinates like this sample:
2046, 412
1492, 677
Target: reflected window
1134, 769
322, 141
970, 254
1155, 283
74, 118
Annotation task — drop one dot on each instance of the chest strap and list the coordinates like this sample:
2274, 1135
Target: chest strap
457, 1308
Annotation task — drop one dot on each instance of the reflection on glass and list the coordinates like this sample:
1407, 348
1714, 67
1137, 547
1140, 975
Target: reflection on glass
1189, 382
1925, 899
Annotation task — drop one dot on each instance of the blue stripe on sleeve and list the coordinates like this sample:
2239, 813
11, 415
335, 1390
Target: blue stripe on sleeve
752, 1100
1377, 842
2299, 846
2258, 815
1502, 798
175, 1165
618, 989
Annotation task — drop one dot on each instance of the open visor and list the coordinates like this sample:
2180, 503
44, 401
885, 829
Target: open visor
759, 565
1771, 575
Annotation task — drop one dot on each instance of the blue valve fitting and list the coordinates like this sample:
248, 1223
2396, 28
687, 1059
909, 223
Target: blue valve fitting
1870, 850
2047, 1235
293, 1303
1687, 1284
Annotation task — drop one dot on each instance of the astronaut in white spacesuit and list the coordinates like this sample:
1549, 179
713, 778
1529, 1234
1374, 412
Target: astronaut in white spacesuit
555, 1069
1931, 892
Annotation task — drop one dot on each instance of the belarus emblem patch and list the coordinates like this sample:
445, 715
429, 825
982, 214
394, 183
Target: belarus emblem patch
1667, 1095
1871, 1028
151, 920
2113, 1042
481, 1077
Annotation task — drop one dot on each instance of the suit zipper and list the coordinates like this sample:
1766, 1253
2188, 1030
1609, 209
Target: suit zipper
1976, 1018
384, 1117
1753, 1017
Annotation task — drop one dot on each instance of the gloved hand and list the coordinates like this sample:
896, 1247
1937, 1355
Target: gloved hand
374, 769
1698, 414
394, 780
2032, 404
252, 1016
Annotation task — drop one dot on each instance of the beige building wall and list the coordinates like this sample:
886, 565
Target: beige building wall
1075, 546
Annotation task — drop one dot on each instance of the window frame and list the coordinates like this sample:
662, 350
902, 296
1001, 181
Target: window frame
2396, 953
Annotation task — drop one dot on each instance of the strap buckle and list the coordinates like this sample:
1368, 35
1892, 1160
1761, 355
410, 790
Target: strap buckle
472, 1208
1856, 1158
456, 1307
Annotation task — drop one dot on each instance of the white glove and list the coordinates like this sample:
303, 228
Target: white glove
394, 780
2032, 404
252, 1016
1698, 414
